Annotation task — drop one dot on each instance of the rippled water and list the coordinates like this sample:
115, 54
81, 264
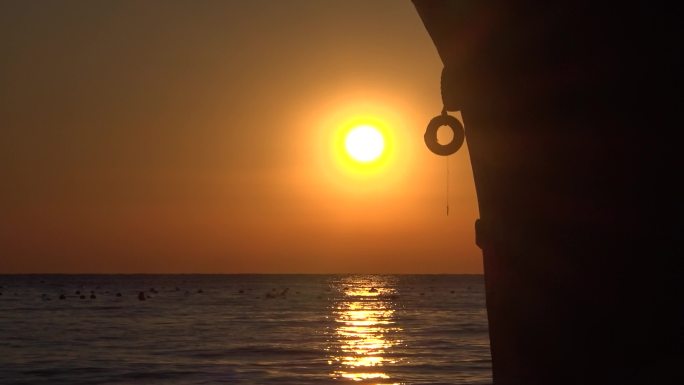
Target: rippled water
244, 329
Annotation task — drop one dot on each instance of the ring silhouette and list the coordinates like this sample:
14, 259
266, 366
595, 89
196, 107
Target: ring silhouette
431, 135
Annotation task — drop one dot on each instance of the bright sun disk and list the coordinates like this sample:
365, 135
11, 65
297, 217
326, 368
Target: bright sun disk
364, 143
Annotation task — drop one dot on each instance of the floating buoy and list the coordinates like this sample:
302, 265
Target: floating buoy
431, 134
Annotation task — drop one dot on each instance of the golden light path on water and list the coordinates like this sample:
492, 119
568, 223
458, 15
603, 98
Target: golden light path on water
365, 331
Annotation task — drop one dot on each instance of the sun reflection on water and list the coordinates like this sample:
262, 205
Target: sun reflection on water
365, 331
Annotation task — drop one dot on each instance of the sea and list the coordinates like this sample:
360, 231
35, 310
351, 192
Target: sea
243, 329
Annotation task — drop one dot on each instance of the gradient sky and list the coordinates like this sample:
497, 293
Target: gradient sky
194, 137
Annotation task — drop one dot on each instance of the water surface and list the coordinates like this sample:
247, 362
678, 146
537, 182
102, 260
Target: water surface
243, 329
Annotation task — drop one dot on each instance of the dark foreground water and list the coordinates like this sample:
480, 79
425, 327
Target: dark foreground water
243, 329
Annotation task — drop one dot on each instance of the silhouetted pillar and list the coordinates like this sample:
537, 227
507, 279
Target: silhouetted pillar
571, 111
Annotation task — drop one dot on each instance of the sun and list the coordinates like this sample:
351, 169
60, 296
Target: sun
364, 143
359, 150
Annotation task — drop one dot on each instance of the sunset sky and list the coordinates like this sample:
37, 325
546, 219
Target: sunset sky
204, 137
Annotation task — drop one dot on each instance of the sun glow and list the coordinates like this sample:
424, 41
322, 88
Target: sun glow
362, 148
364, 143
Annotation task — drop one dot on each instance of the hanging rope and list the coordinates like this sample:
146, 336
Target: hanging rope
447, 185
444, 119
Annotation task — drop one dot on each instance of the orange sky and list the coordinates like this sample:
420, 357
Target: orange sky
194, 137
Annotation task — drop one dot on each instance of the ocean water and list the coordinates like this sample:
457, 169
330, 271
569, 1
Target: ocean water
243, 329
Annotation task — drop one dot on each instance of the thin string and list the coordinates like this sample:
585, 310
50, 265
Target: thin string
447, 185
444, 112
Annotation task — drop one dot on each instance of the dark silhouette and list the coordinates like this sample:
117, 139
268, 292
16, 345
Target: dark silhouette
430, 136
141, 296
571, 112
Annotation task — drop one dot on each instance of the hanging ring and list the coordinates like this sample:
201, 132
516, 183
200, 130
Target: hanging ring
431, 135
